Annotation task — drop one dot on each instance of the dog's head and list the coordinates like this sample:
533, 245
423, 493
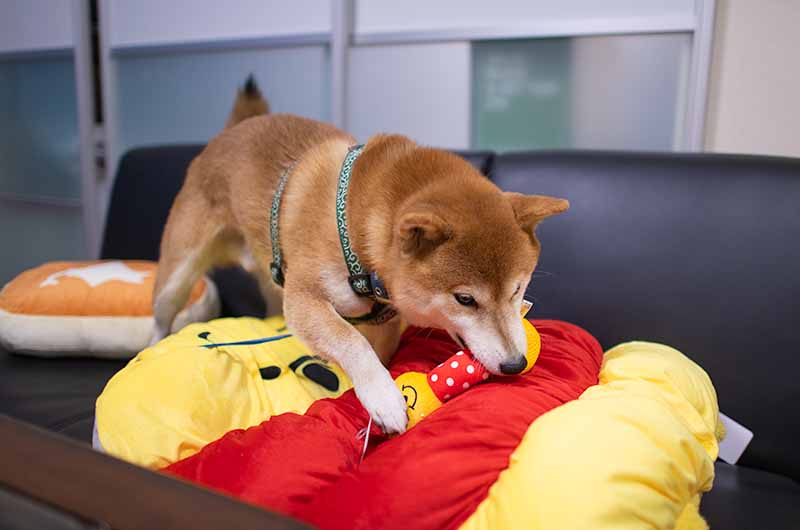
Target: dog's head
463, 253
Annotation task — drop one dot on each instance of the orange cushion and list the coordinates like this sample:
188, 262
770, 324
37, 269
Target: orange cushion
107, 288
75, 308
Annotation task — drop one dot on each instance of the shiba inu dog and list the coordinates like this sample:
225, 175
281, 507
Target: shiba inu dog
354, 235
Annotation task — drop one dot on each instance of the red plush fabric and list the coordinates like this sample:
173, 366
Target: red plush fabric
433, 476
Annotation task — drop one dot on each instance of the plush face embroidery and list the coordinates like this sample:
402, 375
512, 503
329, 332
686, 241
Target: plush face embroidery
309, 366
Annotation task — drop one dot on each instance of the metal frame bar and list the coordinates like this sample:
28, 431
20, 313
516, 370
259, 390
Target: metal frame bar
42, 53
546, 29
108, 87
341, 29
84, 89
41, 200
274, 41
694, 125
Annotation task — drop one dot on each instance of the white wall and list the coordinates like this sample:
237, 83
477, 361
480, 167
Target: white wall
420, 90
754, 97
146, 22
35, 25
628, 91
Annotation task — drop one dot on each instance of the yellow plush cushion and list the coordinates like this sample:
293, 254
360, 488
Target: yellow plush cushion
184, 392
635, 451
101, 308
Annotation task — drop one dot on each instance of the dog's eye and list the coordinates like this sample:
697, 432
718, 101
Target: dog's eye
465, 299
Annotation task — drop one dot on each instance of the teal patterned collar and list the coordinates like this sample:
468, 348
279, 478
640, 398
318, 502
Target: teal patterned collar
362, 282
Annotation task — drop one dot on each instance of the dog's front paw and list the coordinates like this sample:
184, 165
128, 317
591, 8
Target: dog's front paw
384, 402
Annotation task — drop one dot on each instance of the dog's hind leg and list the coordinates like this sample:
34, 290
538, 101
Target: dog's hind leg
175, 278
190, 246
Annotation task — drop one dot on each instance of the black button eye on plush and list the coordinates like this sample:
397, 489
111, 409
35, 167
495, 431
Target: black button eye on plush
465, 299
314, 370
270, 372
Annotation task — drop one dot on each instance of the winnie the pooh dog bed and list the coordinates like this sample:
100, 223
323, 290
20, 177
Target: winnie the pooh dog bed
625, 439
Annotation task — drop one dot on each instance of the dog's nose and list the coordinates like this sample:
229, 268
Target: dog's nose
514, 367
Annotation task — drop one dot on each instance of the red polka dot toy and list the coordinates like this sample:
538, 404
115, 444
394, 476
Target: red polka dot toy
425, 393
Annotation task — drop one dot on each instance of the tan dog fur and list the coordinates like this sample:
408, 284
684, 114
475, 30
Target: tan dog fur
425, 220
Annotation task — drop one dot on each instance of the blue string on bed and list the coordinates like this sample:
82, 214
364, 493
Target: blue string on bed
249, 342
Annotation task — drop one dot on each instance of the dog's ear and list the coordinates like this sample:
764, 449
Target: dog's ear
421, 231
530, 209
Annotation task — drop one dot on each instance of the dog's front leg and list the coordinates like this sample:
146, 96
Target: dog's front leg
317, 324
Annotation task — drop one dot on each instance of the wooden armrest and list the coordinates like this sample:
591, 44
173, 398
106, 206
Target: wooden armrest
73, 477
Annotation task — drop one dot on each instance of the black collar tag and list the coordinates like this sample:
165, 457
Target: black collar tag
369, 284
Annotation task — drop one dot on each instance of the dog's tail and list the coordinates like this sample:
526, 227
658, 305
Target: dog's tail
249, 102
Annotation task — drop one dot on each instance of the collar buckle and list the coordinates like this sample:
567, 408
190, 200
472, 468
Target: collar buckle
370, 285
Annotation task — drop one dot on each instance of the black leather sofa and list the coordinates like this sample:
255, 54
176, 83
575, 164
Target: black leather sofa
701, 252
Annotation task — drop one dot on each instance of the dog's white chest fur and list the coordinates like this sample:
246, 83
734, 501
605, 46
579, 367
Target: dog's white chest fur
345, 300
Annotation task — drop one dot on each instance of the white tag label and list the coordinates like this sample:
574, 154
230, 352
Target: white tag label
526, 306
737, 438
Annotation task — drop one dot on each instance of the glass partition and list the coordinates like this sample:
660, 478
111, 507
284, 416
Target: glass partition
186, 97
40, 183
605, 92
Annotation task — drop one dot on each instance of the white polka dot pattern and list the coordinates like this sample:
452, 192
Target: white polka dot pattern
455, 375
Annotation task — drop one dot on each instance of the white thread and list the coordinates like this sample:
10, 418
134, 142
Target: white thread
364, 433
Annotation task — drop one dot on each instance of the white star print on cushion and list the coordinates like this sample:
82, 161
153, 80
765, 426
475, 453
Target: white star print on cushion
99, 274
